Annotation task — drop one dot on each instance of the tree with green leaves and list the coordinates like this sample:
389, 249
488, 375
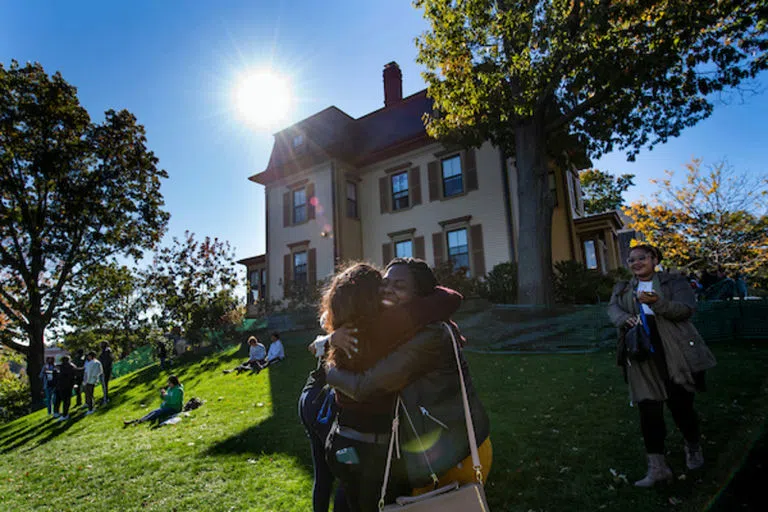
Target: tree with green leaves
75, 193
192, 284
714, 217
603, 192
107, 304
537, 77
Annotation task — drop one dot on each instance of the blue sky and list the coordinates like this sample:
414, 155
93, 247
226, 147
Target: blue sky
176, 64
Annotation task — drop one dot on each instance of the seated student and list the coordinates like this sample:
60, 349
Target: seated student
276, 350
257, 357
173, 401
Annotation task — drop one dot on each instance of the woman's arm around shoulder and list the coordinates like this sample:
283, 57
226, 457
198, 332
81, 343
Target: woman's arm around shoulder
420, 355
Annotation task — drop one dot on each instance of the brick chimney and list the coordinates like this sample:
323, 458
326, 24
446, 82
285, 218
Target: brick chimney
393, 84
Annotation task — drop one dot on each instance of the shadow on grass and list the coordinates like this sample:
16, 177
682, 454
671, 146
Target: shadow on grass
48, 427
280, 433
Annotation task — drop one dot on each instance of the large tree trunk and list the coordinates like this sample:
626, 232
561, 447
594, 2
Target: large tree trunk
35, 359
535, 211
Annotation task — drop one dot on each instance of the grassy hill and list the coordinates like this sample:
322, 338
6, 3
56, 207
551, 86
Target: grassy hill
560, 423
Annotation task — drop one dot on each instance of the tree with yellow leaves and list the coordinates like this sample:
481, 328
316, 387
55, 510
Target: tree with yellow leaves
717, 217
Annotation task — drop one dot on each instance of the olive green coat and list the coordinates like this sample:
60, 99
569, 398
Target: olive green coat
685, 351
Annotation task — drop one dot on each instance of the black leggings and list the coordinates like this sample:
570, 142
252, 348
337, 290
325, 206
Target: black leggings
679, 402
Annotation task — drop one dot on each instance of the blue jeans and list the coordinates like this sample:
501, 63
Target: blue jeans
323, 478
158, 414
50, 398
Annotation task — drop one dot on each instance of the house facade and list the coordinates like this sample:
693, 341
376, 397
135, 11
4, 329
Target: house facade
377, 187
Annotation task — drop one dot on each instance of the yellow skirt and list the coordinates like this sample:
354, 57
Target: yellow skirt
464, 472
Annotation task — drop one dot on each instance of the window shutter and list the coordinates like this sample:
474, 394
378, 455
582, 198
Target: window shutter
478, 254
414, 182
384, 194
311, 201
286, 209
470, 169
418, 248
312, 266
287, 275
433, 175
437, 247
386, 253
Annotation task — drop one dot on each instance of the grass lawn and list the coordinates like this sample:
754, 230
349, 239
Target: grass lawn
560, 424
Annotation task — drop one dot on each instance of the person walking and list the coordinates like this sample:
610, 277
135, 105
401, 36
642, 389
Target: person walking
106, 360
65, 384
674, 365
92, 376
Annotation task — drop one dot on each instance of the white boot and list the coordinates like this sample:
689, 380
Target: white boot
694, 457
658, 471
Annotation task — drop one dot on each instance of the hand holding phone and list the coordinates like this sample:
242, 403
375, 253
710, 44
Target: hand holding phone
348, 456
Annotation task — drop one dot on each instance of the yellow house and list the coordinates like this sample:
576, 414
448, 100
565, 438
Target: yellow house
377, 187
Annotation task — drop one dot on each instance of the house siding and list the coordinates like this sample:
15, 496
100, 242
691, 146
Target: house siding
280, 236
485, 206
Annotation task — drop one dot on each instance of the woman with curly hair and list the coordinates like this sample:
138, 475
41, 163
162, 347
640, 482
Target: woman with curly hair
353, 314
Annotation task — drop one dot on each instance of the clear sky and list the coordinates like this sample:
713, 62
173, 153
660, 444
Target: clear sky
176, 65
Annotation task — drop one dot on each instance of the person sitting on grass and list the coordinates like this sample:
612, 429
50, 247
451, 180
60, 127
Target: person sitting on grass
257, 357
173, 401
276, 352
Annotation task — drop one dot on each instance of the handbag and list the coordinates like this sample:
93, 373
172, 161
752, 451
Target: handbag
450, 498
637, 340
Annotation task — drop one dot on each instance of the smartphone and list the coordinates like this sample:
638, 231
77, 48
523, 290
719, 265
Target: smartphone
651, 293
348, 456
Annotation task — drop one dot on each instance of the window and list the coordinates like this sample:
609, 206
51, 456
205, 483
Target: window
590, 254
300, 267
299, 206
298, 140
351, 200
258, 285
400, 191
458, 249
453, 182
404, 249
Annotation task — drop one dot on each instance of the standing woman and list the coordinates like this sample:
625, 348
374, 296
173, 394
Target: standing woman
674, 370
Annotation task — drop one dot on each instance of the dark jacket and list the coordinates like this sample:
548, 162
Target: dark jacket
67, 377
106, 361
424, 372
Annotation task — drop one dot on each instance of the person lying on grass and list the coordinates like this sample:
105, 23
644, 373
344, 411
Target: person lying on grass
173, 400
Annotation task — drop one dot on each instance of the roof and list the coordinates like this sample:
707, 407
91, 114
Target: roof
606, 218
333, 133
253, 260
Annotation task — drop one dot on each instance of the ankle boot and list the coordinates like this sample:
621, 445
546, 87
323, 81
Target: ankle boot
694, 457
658, 471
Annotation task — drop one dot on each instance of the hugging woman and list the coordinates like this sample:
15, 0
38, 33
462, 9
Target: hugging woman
420, 367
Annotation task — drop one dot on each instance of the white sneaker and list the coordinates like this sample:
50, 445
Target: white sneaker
56, 415
90, 412
63, 418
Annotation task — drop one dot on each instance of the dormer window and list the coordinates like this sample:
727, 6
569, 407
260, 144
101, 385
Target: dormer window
298, 141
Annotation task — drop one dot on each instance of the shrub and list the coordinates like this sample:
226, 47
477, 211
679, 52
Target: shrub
14, 394
457, 279
576, 284
501, 284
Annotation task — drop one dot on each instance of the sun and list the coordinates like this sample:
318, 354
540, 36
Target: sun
263, 98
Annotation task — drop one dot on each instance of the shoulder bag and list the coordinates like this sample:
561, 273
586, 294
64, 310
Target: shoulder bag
450, 498
637, 340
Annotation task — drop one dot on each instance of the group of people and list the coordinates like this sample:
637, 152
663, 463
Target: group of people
388, 376
258, 356
74, 375
718, 285
384, 407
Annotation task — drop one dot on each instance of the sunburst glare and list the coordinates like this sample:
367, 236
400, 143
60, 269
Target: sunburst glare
263, 98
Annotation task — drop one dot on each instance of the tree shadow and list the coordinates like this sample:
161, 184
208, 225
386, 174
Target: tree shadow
282, 432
